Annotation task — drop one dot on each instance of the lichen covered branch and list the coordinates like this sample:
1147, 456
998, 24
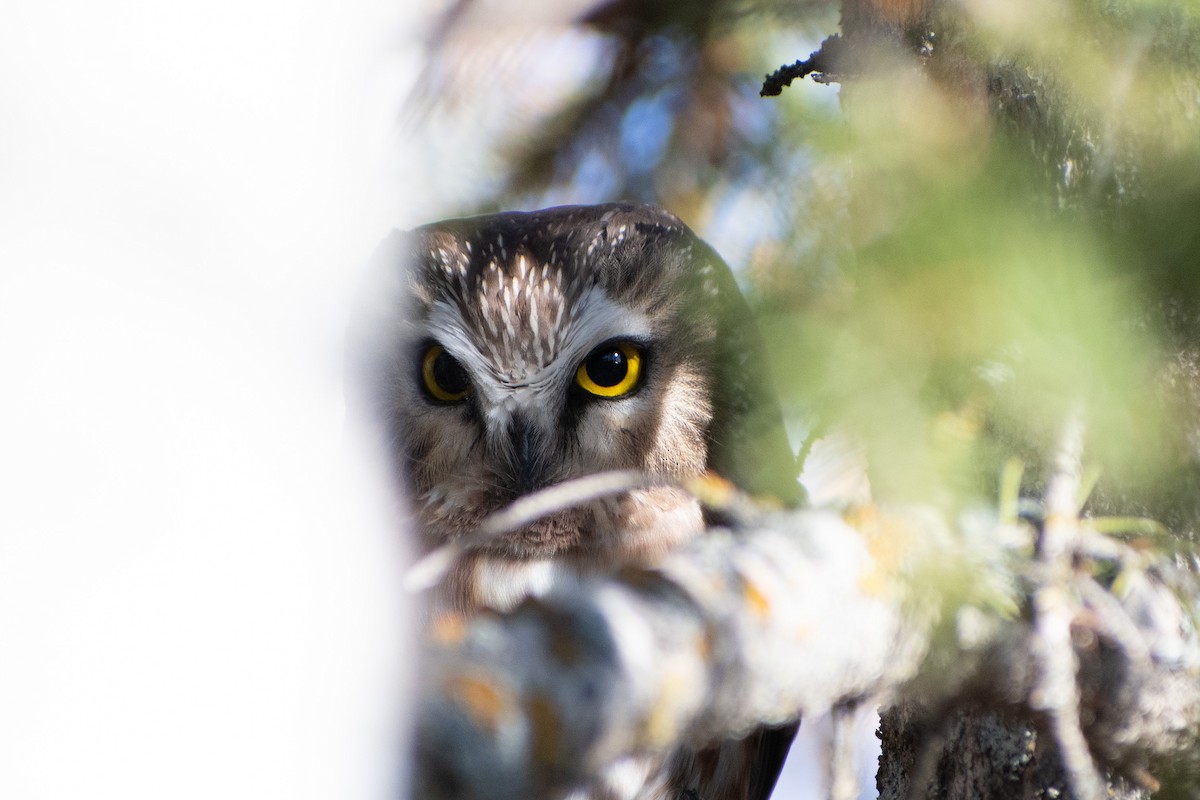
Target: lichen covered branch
801, 613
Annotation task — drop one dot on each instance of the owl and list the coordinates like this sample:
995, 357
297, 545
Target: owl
514, 351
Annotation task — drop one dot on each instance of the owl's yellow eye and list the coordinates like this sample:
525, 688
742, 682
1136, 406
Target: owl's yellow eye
445, 379
612, 370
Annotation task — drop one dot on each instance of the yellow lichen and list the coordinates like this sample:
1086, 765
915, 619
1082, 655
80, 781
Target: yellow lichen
484, 700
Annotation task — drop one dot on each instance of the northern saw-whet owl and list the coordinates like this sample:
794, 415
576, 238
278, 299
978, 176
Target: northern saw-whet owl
511, 352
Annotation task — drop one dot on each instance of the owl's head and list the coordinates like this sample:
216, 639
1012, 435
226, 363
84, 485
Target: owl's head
539, 347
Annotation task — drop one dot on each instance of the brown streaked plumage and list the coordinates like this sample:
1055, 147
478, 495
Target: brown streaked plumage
514, 351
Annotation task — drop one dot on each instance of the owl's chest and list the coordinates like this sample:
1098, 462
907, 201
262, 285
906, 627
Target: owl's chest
639, 531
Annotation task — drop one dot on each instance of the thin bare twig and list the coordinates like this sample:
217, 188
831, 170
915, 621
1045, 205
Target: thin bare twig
843, 761
431, 568
1057, 691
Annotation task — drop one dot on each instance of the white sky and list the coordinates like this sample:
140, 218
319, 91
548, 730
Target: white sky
197, 584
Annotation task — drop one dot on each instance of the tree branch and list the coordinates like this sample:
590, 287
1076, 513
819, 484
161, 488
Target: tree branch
803, 613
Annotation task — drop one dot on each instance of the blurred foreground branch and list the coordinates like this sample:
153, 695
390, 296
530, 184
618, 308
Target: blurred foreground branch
1086, 637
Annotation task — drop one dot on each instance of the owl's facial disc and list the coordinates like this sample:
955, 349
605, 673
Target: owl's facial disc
551, 423
482, 440
546, 347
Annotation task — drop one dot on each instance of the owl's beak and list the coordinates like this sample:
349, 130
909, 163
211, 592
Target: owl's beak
529, 462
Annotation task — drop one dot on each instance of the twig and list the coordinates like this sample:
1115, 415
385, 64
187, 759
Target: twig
1056, 691
843, 772
432, 567
1111, 620
823, 61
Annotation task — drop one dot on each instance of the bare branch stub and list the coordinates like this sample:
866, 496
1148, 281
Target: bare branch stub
825, 62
